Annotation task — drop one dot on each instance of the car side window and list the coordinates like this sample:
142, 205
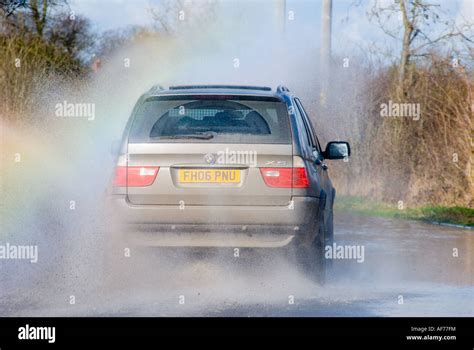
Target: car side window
309, 127
304, 131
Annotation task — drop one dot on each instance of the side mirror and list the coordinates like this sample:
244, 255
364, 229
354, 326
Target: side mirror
337, 150
115, 147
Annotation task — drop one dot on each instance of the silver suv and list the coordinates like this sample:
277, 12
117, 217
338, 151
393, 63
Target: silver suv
225, 166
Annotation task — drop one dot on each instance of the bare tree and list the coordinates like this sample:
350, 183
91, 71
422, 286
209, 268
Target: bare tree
421, 27
32, 17
40, 11
10, 6
70, 32
50, 21
171, 15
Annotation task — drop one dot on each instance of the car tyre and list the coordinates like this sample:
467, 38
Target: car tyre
312, 259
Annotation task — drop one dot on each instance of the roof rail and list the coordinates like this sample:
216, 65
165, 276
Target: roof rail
156, 88
282, 88
240, 87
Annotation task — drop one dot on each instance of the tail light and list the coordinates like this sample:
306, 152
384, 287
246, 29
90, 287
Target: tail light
285, 177
134, 176
300, 178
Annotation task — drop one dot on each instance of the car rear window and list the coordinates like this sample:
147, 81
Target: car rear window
227, 119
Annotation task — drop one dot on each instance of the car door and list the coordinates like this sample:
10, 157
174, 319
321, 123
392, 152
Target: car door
317, 160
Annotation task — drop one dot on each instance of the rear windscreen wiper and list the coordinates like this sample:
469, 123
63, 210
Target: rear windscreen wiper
205, 136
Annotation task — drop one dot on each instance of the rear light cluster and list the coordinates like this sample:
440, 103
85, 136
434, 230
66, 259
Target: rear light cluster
135, 176
285, 177
140, 176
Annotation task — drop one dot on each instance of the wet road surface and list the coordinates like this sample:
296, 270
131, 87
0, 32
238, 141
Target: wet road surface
408, 268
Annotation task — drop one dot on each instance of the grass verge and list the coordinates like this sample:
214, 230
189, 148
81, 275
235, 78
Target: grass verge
452, 215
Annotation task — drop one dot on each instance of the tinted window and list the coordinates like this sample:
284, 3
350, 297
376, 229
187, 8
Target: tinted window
228, 120
303, 131
308, 126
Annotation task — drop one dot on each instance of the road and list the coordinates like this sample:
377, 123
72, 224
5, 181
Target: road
409, 269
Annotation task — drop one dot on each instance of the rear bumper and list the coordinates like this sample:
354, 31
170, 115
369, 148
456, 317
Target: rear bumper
215, 238
214, 226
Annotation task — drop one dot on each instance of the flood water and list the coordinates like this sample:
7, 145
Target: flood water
408, 268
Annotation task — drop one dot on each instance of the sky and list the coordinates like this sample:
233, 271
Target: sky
351, 26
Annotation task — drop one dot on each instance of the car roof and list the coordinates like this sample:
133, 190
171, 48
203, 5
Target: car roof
246, 90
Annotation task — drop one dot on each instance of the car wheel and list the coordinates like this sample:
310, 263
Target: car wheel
311, 258
329, 238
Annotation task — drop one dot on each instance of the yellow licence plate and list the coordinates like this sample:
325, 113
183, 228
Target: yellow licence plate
209, 176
